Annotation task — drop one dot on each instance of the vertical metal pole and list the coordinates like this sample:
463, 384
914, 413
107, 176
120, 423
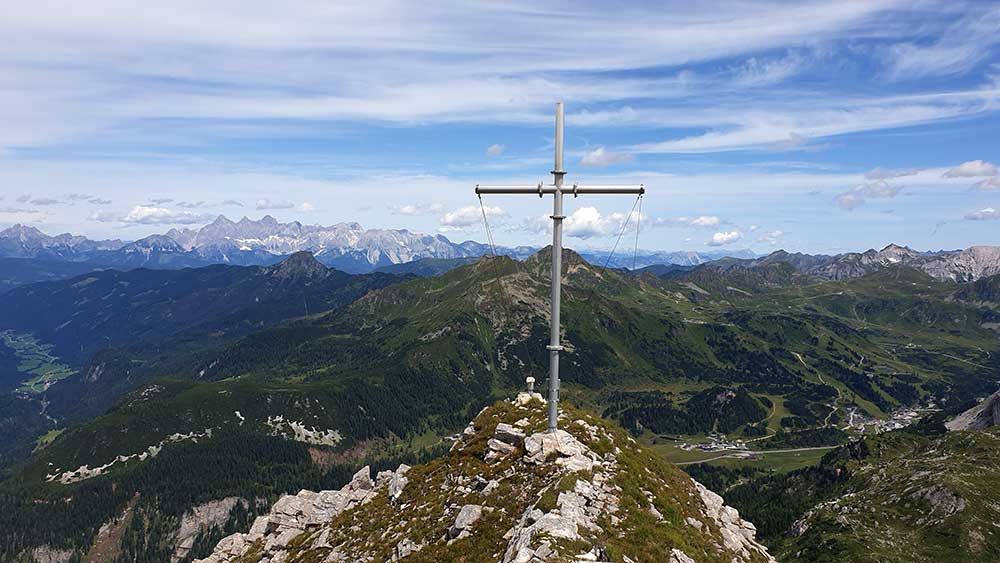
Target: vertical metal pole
557, 221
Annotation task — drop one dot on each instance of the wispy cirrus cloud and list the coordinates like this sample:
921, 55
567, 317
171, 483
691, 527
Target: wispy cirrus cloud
768, 126
602, 158
879, 173
417, 209
404, 71
972, 169
987, 185
879, 189
963, 44
45, 201
277, 205
705, 221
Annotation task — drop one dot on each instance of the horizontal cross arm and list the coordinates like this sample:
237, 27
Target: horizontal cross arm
536, 189
568, 190
609, 189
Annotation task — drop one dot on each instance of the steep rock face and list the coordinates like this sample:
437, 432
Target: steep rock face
200, 519
967, 265
511, 493
984, 415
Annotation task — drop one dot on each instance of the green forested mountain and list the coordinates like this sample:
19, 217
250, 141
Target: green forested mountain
15, 272
426, 266
985, 290
387, 375
103, 334
111, 308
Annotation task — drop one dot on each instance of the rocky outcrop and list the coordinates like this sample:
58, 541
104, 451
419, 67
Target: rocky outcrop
980, 417
46, 554
293, 515
200, 519
738, 535
513, 493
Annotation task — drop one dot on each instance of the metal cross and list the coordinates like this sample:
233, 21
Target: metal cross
557, 191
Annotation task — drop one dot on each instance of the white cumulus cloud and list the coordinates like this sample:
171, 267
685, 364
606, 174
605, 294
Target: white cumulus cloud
495, 149
723, 238
583, 223
148, 215
705, 221
587, 222
468, 216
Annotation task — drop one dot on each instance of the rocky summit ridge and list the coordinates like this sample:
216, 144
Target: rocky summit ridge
511, 493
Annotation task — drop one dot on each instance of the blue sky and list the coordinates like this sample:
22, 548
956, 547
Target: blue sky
810, 126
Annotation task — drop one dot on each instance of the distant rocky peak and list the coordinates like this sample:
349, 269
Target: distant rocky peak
351, 226
893, 247
299, 264
544, 257
155, 242
23, 233
894, 252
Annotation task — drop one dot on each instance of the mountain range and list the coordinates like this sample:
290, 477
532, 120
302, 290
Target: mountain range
152, 411
199, 382
351, 248
345, 246
954, 265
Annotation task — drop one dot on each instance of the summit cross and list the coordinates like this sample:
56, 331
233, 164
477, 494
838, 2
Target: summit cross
557, 190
